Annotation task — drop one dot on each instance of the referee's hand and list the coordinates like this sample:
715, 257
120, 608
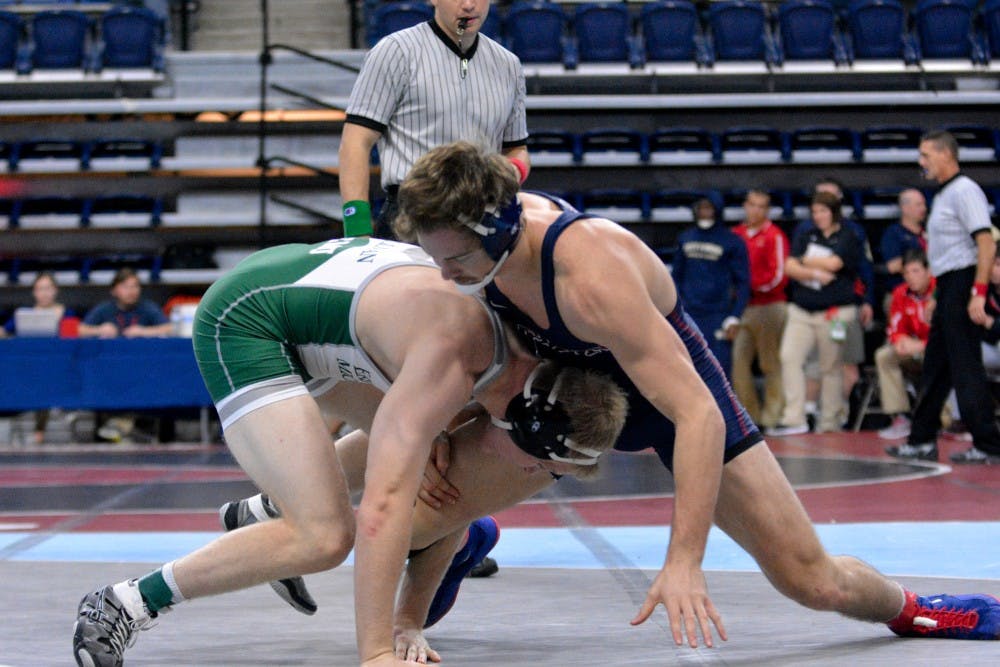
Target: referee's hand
977, 310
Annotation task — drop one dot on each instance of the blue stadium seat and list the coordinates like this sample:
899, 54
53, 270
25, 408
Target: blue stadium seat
109, 264
536, 33
878, 31
808, 31
894, 143
604, 34
683, 145
49, 155
620, 205
739, 31
131, 37
671, 32
822, 145
124, 154
752, 145
943, 29
615, 145
990, 18
48, 212
977, 143
554, 147
60, 40
675, 205
12, 55
123, 210
493, 25
880, 203
392, 16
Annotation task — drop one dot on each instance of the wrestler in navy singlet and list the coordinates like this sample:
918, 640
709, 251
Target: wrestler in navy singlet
646, 426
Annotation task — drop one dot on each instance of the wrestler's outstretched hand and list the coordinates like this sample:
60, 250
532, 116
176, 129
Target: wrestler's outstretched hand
682, 591
412, 645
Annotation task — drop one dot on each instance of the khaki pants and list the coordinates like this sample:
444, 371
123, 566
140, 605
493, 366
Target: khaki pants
804, 331
892, 372
759, 336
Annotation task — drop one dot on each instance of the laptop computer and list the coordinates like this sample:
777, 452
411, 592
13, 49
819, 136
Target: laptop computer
37, 322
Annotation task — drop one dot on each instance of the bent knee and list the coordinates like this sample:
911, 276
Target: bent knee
812, 583
326, 546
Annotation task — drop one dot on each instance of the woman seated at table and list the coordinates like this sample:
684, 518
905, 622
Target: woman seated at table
45, 292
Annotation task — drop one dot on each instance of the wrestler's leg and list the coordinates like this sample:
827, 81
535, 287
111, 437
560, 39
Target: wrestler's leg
758, 508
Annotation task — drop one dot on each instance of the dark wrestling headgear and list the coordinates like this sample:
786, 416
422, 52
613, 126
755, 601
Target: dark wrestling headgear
498, 230
539, 425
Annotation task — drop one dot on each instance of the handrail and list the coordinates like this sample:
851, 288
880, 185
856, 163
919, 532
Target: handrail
263, 160
298, 206
318, 171
305, 96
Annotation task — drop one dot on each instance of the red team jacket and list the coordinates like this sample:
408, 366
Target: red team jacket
768, 249
906, 313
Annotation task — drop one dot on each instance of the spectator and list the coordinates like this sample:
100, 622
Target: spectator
764, 319
125, 313
429, 85
712, 275
907, 234
903, 352
45, 292
864, 286
823, 267
961, 251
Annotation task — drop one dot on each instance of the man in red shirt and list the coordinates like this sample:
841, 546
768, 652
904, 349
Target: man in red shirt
759, 333
909, 327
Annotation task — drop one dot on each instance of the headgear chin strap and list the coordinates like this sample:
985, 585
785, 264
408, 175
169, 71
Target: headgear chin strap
498, 232
540, 426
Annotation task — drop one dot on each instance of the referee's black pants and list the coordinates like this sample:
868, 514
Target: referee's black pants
388, 212
954, 358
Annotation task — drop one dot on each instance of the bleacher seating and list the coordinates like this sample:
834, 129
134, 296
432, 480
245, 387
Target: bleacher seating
683, 145
60, 40
990, 18
123, 154
604, 34
131, 37
893, 143
536, 32
11, 31
754, 145
878, 31
808, 31
944, 29
739, 32
392, 16
823, 145
671, 32
609, 146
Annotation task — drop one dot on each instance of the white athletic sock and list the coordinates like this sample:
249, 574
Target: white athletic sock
168, 576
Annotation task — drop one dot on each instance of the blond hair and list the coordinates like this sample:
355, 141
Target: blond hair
596, 407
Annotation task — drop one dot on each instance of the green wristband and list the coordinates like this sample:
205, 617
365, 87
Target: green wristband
357, 218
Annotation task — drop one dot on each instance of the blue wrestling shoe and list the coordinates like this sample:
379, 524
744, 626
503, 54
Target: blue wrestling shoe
484, 534
949, 617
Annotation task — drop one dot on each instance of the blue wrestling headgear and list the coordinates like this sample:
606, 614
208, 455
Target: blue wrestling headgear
539, 425
498, 232
499, 229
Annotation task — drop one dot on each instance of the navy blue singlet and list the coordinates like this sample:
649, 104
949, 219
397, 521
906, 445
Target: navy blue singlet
645, 426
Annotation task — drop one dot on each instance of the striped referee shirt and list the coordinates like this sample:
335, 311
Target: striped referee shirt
959, 211
419, 91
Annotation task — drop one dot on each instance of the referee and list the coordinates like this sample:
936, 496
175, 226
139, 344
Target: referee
432, 84
960, 249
